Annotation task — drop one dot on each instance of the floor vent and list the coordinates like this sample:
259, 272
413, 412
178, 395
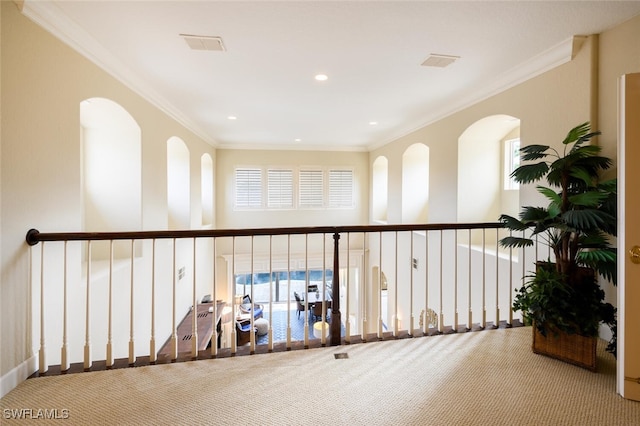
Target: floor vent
341, 355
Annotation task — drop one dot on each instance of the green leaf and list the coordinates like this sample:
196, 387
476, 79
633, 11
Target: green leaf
576, 133
530, 172
552, 195
588, 199
515, 242
583, 219
512, 223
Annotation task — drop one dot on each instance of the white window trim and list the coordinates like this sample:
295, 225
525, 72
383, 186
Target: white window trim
510, 164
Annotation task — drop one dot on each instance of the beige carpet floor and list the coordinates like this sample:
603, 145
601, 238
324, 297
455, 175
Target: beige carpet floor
477, 378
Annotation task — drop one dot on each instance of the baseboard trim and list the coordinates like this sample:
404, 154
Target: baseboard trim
19, 374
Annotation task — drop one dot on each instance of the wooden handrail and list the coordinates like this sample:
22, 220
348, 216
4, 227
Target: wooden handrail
34, 236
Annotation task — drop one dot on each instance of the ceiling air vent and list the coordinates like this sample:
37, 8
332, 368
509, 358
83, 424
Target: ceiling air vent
439, 61
204, 42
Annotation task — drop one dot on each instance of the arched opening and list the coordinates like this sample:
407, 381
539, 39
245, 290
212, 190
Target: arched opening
415, 184
206, 189
379, 187
487, 151
111, 171
178, 184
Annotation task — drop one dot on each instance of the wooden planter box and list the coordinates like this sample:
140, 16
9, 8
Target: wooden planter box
571, 348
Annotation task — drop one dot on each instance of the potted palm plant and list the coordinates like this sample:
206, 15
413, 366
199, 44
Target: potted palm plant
563, 298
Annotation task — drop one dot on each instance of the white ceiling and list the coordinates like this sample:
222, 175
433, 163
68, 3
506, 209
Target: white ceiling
371, 51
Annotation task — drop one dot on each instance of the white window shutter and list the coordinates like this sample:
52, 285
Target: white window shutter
340, 188
311, 188
248, 188
279, 188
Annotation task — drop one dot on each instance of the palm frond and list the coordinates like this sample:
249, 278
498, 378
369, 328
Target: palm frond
583, 219
588, 199
576, 133
552, 195
515, 242
512, 223
528, 173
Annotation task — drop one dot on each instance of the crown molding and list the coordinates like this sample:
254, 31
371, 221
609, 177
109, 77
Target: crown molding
551, 58
293, 147
48, 16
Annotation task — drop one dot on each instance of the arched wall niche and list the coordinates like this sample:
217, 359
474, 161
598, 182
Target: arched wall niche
178, 184
482, 195
111, 172
380, 188
415, 184
206, 188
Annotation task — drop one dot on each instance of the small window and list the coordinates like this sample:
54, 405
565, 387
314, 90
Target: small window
311, 188
279, 188
511, 162
340, 188
248, 188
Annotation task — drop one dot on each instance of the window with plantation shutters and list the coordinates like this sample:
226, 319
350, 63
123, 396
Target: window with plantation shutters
279, 188
248, 188
311, 188
340, 188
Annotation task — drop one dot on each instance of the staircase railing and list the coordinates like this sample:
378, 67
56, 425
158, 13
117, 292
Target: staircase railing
120, 288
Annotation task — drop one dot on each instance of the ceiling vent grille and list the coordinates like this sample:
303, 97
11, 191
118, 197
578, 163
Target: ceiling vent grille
439, 61
204, 42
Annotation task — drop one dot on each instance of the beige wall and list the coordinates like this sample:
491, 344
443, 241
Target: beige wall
43, 82
619, 54
547, 105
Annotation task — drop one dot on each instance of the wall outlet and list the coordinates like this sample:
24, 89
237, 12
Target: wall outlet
181, 272
414, 263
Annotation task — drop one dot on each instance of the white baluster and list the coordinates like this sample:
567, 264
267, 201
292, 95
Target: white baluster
411, 319
469, 306
252, 334
455, 280
194, 323
347, 335
497, 324
174, 338
306, 291
270, 331
152, 340
109, 360
365, 307
214, 318
64, 355
484, 283
234, 341
289, 292
380, 323
425, 323
396, 298
43, 347
87, 325
441, 322
132, 353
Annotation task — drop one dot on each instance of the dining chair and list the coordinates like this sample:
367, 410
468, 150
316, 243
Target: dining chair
300, 302
317, 310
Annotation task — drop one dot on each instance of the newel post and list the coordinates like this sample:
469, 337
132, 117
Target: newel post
336, 322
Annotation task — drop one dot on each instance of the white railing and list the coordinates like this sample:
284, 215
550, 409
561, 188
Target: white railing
108, 298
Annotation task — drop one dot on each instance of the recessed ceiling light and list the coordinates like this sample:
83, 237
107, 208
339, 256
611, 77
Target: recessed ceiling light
298, 140
373, 123
232, 117
321, 77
